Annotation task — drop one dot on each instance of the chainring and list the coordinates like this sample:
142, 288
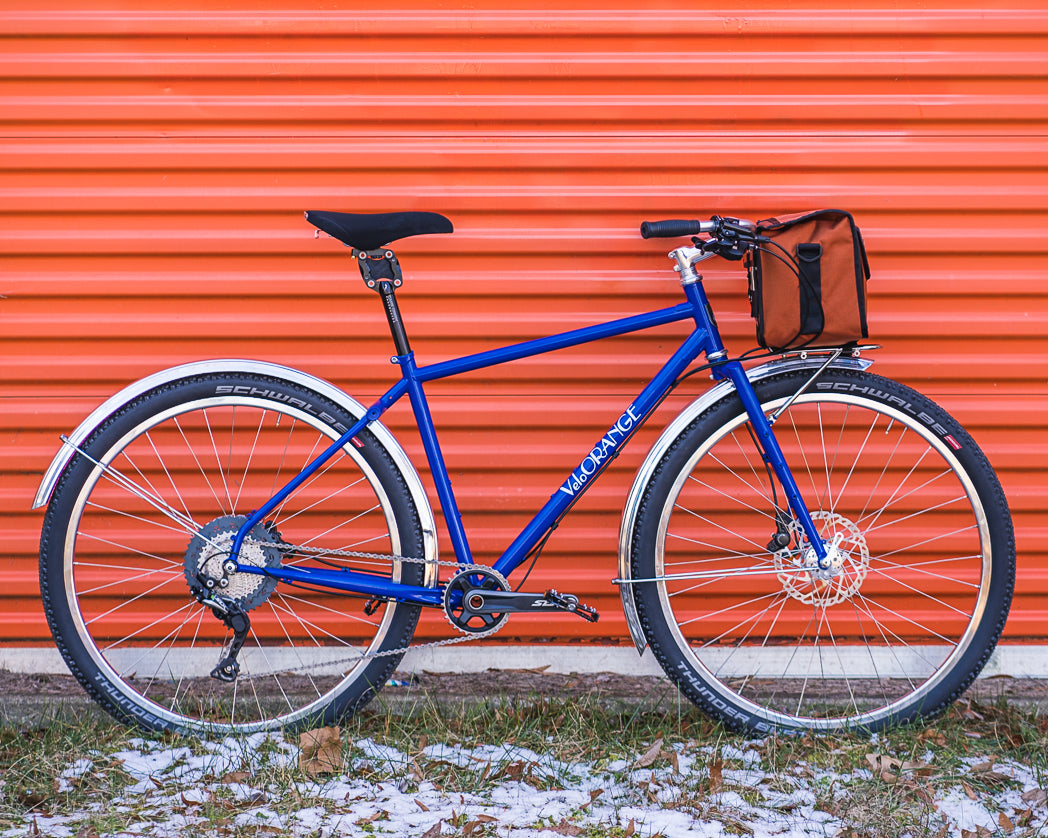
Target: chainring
456, 608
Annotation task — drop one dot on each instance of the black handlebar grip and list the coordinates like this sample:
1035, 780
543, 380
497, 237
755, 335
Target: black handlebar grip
671, 228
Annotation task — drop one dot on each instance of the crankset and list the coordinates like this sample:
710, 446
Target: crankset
478, 599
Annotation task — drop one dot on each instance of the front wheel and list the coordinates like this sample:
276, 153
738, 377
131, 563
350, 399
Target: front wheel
150, 507
734, 603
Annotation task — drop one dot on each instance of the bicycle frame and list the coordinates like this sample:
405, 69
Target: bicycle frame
704, 339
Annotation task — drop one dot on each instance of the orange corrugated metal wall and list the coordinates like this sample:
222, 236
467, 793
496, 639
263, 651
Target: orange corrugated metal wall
154, 164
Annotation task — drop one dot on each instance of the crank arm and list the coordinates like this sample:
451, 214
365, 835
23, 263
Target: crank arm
482, 601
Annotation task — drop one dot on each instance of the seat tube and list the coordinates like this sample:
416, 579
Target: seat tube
441, 479
773, 453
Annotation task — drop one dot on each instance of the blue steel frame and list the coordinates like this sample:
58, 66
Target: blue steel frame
705, 338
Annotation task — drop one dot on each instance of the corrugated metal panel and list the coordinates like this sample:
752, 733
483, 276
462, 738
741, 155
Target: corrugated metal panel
154, 164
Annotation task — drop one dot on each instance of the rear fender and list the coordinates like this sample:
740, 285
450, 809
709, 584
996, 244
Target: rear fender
324, 388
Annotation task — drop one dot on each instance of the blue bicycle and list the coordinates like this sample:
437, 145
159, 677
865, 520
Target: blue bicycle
237, 546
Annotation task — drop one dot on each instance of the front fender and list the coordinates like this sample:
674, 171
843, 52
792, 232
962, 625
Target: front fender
673, 430
324, 388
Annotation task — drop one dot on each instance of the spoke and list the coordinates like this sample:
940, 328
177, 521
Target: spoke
125, 482
717, 526
341, 523
724, 555
857, 604
250, 457
283, 454
859, 455
754, 619
147, 652
918, 567
123, 548
963, 612
928, 631
168, 474
200, 466
218, 456
134, 599
931, 540
913, 515
271, 672
318, 606
171, 574
132, 517
762, 512
192, 645
309, 458
116, 644
714, 614
320, 630
892, 499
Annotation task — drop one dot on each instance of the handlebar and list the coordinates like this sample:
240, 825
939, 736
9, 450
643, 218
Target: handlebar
674, 228
729, 237
720, 228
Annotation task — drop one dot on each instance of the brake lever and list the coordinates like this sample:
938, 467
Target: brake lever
732, 250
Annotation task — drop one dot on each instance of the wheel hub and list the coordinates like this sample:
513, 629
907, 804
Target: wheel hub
207, 564
841, 573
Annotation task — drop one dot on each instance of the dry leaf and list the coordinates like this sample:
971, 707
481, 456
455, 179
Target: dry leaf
235, 777
1034, 797
565, 828
433, 831
1005, 822
320, 751
650, 755
716, 775
593, 796
630, 829
882, 764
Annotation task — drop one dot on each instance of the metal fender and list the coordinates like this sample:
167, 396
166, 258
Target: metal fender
351, 405
673, 430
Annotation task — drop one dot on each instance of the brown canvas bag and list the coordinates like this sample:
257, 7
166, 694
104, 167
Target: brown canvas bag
808, 281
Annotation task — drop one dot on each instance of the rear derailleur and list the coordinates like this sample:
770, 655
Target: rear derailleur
236, 620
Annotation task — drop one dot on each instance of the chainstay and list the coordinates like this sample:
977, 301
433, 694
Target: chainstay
390, 557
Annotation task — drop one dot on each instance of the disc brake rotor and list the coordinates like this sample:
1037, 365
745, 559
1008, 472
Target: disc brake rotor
847, 562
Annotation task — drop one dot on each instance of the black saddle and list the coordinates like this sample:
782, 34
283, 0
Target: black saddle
369, 231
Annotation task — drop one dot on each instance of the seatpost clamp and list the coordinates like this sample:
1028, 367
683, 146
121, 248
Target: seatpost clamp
378, 265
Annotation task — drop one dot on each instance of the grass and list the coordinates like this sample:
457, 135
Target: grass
893, 784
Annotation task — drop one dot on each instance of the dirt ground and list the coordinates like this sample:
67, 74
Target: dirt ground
24, 697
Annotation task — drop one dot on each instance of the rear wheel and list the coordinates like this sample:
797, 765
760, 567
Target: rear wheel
922, 559
150, 508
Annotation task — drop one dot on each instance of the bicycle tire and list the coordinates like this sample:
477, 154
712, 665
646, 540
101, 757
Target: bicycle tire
903, 623
117, 556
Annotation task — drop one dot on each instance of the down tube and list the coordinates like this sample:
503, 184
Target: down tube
607, 447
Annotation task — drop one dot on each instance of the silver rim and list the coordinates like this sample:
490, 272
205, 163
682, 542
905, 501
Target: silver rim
882, 628
125, 578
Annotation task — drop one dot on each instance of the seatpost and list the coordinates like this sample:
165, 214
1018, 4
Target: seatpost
381, 273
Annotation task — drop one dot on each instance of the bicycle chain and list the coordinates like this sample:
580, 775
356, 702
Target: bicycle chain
353, 554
